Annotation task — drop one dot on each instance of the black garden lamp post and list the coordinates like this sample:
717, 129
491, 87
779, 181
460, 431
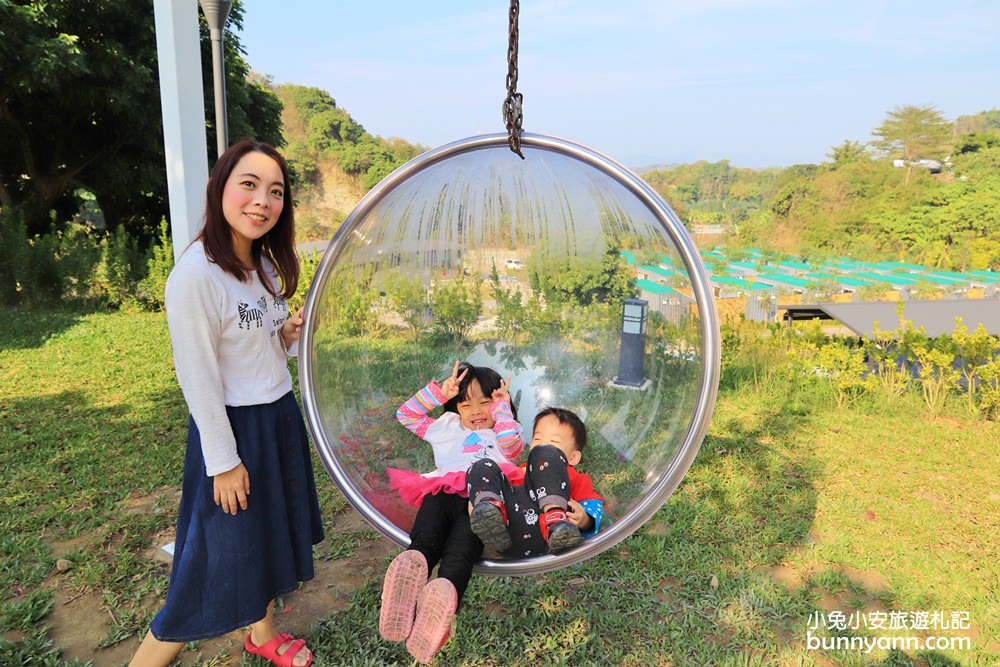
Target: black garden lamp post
632, 356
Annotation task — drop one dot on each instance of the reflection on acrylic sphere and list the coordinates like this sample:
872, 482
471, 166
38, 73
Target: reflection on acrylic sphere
563, 271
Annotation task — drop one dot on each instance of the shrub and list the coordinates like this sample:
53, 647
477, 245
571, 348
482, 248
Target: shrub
356, 311
78, 253
14, 250
409, 300
843, 369
46, 268
752, 353
456, 306
510, 310
159, 262
886, 361
934, 362
308, 262
40, 278
989, 402
117, 274
974, 350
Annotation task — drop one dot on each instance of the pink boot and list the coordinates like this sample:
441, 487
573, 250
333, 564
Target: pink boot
406, 576
435, 610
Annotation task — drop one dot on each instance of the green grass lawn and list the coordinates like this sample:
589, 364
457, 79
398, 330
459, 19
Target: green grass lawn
795, 513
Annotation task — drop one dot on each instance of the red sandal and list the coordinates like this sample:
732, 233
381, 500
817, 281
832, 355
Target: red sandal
269, 649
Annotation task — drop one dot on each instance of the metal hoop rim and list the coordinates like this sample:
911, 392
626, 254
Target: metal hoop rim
653, 499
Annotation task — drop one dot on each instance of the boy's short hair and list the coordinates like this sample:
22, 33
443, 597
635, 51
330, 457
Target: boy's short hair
569, 418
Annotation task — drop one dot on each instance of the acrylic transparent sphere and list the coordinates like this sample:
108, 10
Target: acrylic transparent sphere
563, 271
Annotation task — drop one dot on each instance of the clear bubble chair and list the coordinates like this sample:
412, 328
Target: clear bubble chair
563, 270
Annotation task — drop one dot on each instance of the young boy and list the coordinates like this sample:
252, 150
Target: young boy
547, 505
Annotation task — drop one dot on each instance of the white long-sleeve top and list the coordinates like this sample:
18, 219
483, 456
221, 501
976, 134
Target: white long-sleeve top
226, 338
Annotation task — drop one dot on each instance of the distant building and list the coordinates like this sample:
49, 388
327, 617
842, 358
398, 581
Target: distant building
933, 166
673, 305
935, 317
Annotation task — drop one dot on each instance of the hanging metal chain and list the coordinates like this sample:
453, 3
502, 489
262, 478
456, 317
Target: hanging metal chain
512, 115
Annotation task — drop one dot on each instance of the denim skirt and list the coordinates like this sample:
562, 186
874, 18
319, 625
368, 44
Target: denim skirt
227, 568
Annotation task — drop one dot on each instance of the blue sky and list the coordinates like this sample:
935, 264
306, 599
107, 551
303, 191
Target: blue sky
756, 82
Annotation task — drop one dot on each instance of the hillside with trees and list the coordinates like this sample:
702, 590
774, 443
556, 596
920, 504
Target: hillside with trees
83, 194
334, 159
922, 189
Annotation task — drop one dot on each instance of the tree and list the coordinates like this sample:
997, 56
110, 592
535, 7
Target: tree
456, 306
848, 152
510, 311
976, 142
410, 301
984, 121
318, 129
79, 111
914, 133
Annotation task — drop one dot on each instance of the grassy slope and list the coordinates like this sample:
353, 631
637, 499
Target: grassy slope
791, 508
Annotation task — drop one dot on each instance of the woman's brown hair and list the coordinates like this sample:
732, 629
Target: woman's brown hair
278, 244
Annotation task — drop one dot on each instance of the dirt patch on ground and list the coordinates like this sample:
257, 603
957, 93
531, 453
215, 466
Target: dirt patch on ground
78, 623
864, 590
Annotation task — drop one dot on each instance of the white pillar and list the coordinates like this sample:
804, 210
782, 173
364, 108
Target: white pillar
183, 104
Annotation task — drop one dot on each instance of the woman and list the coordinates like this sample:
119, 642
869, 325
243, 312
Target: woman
231, 333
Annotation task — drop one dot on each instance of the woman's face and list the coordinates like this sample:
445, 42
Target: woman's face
252, 199
474, 411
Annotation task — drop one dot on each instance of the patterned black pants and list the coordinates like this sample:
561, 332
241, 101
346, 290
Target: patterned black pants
546, 482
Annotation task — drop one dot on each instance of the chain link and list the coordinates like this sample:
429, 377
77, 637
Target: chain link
512, 115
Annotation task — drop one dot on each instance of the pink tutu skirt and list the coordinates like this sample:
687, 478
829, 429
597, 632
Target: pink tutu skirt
412, 486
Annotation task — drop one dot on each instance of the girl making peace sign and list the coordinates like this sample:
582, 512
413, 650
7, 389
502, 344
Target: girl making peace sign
478, 423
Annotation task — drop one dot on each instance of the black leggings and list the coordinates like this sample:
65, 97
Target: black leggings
546, 482
441, 532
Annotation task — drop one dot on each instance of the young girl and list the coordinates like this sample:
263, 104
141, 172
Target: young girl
230, 331
478, 423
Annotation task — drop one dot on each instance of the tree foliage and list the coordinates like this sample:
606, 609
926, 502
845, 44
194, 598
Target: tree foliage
319, 130
708, 193
847, 153
583, 283
79, 111
859, 204
456, 306
987, 122
914, 133
410, 301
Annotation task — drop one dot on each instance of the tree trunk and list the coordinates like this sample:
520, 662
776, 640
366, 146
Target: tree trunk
36, 209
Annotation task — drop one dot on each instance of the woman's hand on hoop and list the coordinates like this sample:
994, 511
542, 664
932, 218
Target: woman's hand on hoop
291, 330
450, 387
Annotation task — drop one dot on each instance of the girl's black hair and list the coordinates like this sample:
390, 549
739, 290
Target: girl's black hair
489, 381
569, 418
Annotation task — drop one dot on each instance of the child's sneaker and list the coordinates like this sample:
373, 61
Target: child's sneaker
489, 522
435, 610
404, 578
558, 530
